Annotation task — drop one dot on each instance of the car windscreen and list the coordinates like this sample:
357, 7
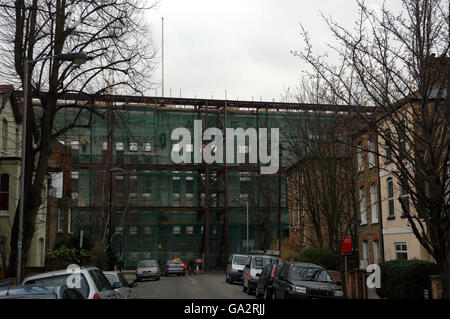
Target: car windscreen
310, 274
174, 262
100, 280
111, 278
260, 262
147, 263
239, 260
60, 281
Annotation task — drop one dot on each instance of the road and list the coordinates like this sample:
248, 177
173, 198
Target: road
200, 286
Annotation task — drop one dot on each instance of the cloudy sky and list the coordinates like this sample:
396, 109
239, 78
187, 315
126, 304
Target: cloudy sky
241, 46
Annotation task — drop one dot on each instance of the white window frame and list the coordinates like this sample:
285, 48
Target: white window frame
176, 230
133, 147
189, 230
360, 157
75, 145
363, 205
376, 252
374, 203
120, 146
401, 251
147, 147
371, 153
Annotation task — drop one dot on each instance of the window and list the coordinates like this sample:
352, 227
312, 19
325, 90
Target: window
119, 146
371, 153
132, 230
147, 147
147, 230
18, 137
404, 198
75, 145
376, 252
189, 230
119, 230
390, 188
362, 205
69, 221
133, 147
388, 147
5, 134
401, 251
176, 230
360, 156
105, 146
373, 203
365, 247
176, 185
74, 183
4, 193
60, 222
190, 187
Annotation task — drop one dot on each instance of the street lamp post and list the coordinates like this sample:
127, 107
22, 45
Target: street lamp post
77, 58
111, 171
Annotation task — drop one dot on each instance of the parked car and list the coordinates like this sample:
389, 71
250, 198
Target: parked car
305, 280
264, 286
176, 267
235, 268
93, 283
39, 292
147, 269
253, 268
120, 285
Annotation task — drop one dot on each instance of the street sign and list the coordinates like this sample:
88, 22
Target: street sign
346, 248
199, 260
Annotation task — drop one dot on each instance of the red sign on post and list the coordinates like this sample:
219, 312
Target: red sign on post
346, 248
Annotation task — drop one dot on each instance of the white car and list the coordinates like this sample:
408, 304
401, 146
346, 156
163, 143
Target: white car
147, 269
120, 285
92, 282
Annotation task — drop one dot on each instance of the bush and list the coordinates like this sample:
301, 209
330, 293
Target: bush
405, 279
65, 254
320, 256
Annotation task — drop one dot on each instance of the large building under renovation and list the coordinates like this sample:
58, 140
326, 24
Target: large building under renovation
122, 163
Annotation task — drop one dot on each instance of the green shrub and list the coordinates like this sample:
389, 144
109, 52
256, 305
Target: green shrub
320, 256
405, 279
66, 254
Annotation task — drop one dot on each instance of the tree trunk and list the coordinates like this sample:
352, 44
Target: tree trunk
444, 273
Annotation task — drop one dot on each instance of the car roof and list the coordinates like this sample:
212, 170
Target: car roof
296, 263
30, 290
55, 273
239, 255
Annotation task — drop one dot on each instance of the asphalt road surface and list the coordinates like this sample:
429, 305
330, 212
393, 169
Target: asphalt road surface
200, 286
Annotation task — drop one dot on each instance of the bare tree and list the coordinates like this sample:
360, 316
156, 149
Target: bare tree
113, 33
398, 63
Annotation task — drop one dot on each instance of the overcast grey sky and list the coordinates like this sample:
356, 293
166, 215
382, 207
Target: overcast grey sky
242, 46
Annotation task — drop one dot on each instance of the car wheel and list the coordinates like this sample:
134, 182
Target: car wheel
230, 281
138, 279
184, 274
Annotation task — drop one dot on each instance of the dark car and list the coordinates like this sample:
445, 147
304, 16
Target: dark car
254, 265
264, 287
39, 292
305, 281
176, 267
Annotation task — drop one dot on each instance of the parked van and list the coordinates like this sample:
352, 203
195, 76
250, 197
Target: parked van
235, 268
